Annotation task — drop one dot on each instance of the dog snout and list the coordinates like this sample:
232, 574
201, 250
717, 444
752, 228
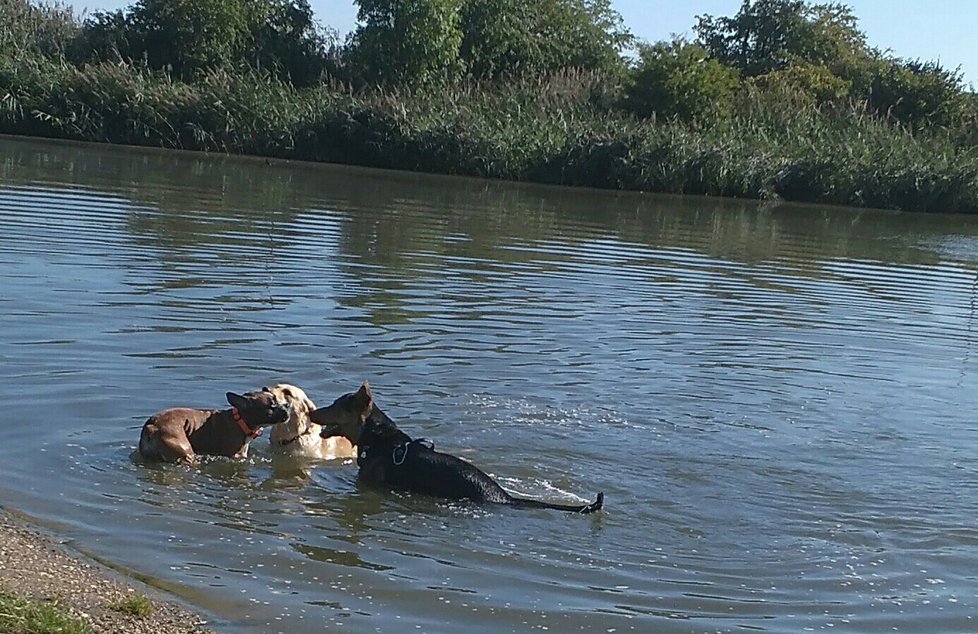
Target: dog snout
280, 412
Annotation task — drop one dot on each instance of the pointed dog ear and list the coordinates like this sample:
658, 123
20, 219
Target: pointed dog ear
364, 399
236, 400
364, 394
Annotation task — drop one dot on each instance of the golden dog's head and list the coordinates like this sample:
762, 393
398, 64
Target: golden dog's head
298, 423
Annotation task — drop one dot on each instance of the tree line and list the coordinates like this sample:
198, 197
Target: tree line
812, 53
785, 98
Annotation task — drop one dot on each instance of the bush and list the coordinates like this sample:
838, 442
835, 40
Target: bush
677, 79
918, 93
135, 605
803, 84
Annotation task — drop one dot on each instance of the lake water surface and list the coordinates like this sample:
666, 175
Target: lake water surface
778, 401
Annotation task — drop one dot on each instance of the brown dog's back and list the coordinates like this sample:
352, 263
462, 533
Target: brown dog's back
166, 434
180, 433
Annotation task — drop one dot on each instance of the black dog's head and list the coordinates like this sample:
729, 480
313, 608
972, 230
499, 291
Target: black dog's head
346, 416
259, 408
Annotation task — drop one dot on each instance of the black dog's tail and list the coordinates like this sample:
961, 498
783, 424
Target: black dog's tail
574, 508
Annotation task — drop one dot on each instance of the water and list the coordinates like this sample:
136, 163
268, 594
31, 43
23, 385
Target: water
778, 401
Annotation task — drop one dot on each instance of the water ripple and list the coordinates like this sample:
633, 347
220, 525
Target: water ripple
775, 400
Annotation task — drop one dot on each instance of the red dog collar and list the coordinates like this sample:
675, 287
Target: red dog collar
239, 419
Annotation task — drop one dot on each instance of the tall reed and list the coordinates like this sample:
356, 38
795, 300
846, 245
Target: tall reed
559, 129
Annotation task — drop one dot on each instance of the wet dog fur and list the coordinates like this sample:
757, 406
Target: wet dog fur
180, 434
390, 458
298, 434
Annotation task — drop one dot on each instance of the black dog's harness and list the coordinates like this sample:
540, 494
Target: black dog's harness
400, 452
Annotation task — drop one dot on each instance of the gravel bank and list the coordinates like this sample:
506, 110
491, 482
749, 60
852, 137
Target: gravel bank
34, 565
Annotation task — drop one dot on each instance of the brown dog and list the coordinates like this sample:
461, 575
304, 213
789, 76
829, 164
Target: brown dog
300, 435
179, 434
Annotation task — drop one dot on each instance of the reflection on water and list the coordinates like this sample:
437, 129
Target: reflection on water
776, 399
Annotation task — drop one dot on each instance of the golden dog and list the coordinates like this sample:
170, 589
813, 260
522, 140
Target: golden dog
300, 435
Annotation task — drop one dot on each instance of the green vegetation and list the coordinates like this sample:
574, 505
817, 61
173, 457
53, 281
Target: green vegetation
679, 79
782, 100
770, 35
23, 616
135, 605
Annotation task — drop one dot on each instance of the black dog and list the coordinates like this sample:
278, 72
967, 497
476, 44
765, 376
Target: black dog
389, 457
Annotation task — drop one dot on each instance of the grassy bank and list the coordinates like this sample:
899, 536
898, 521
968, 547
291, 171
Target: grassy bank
558, 129
23, 616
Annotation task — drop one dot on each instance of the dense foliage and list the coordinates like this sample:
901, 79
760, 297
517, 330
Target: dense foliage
783, 99
819, 50
504, 37
400, 42
771, 35
407, 41
190, 37
679, 79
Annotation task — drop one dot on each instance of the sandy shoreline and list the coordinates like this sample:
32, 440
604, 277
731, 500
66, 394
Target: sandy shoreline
36, 566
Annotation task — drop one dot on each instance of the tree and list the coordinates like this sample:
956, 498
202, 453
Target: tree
769, 35
677, 79
287, 41
918, 92
503, 37
189, 36
108, 36
407, 41
803, 83
791, 46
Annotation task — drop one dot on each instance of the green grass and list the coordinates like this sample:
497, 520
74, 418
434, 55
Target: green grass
23, 616
135, 605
